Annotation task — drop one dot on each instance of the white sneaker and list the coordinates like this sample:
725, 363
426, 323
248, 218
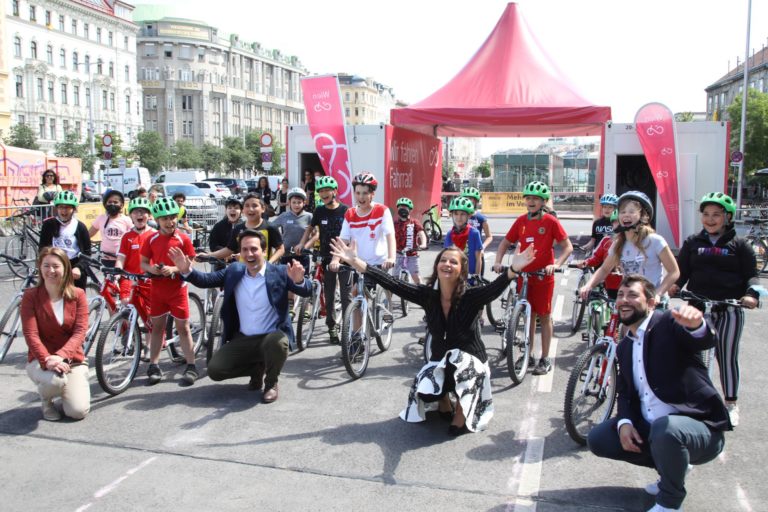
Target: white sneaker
733, 412
50, 412
659, 508
653, 488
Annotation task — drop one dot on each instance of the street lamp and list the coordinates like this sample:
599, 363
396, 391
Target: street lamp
99, 176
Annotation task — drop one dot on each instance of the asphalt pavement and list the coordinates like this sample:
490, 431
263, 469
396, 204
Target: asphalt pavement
331, 443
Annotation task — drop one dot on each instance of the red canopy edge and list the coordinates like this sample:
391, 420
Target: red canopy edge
509, 88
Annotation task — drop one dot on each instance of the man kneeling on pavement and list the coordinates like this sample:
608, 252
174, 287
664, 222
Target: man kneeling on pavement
669, 413
256, 328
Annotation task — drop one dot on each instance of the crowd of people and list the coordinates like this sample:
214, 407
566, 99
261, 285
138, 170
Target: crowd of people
669, 414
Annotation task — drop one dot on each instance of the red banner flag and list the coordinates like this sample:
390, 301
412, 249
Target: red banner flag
413, 164
656, 130
322, 102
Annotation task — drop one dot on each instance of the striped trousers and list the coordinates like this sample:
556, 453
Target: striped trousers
728, 324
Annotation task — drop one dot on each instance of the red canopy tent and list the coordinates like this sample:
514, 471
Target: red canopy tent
510, 88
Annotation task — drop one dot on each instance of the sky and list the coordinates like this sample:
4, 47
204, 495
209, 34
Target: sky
619, 53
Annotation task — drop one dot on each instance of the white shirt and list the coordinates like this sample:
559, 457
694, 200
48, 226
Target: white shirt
58, 310
647, 262
257, 315
651, 406
66, 239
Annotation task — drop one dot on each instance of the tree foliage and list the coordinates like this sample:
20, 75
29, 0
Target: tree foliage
211, 158
684, 117
71, 147
756, 137
483, 170
151, 151
22, 136
236, 156
187, 155
253, 145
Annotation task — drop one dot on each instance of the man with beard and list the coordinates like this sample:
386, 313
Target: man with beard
669, 413
256, 328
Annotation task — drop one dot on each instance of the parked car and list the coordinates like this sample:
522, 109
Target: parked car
200, 207
214, 189
90, 191
237, 186
180, 176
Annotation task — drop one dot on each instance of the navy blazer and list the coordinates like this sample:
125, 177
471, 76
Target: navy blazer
278, 286
675, 373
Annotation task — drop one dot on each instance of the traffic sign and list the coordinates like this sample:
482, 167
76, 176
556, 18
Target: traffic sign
267, 166
266, 139
106, 140
107, 155
121, 163
737, 156
266, 157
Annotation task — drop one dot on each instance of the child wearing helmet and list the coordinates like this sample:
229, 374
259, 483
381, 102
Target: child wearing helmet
637, 248
613, 280
602, 226
169, 296
464, 236
477, 220
719, 265
113, 224
542, 230
64, 231
409, 237
294, 223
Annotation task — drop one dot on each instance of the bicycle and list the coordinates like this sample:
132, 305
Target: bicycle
591, 390
401, 263
310, 308
214, 299
25, 242
516, 335
120, 341
10, 323
757, 237
579, 306
356, 341
431, 224
707, 356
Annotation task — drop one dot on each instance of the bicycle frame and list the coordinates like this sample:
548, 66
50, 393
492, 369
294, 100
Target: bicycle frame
609, 337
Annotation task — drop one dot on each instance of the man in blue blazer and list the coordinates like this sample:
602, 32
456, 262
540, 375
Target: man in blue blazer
256, 327
669, 413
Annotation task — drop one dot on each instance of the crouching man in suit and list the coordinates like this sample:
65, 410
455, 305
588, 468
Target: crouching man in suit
256, 328
669, 413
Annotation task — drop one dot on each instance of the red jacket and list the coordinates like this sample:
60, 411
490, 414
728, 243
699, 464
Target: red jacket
42, 331
600, 253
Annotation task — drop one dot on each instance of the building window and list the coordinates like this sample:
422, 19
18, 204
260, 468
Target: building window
170, 127
63, 57
346, 111
41, 127
33, 49
17, 46
65, 126
15, 5
125, 42
61, 22
53, 128
168, 51
346, 97
78, 129
87, 64
127, 103
110, 38
50, 91
104, 100
150, 102
19, 86
22, 119
357, 112
186, 102
47, 18
86, 33
74, 27
149, 50
99, 67
40, 95
186, 128
33, 17
76, 95
64, 94
87, 96
49, 55
112, 101
111, 69
169, 102
98, 34
127, 73
75, 58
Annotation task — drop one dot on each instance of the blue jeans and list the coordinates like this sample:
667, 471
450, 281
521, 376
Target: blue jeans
672, 443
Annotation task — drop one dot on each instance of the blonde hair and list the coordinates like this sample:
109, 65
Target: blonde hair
643, 229
67, 289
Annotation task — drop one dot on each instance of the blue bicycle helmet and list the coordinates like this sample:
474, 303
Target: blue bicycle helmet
609, 200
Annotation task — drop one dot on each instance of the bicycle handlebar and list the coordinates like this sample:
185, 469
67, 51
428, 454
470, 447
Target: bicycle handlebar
690, 296
12, 259
127, 275
204, 258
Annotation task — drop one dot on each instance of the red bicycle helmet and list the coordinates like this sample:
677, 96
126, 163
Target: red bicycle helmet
365, 178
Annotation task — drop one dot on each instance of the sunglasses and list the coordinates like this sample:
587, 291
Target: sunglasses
49, 175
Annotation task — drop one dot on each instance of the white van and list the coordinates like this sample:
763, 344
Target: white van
128, 180
180, 176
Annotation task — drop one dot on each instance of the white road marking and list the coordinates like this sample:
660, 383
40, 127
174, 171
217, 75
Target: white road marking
544, 382
557, 311
530, 480
114, 484
564, 281
741, 496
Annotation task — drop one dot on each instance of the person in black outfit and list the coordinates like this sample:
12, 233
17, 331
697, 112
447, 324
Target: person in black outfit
458, 362
282, 197
264, 191
67, 233
221, 232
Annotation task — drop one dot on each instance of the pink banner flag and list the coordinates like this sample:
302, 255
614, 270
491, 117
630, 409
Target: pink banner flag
322, 102
656, 130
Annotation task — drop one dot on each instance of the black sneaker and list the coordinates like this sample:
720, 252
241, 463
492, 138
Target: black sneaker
154, 373
544, 366
333, 334
190, 374
521, 360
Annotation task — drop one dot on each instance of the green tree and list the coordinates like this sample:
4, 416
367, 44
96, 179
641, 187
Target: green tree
684, 117
187, 154
253, 145
756, 139
236, 156
117, 146
72, 147
22, 136
211, 158
483, 170
151, 151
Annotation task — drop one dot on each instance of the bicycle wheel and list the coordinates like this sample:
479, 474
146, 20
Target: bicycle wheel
517, 345
118, 353
20, 248
95, 317
196, 326
213, 340
579, 306
383, 329
590, 393
434, 232
305, 323
9, 326
355, 343
594, 324
761, 253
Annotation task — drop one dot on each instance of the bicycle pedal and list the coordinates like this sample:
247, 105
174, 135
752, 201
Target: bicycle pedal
584, 336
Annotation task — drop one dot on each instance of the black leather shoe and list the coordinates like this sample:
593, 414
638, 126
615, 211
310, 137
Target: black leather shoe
270, 395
